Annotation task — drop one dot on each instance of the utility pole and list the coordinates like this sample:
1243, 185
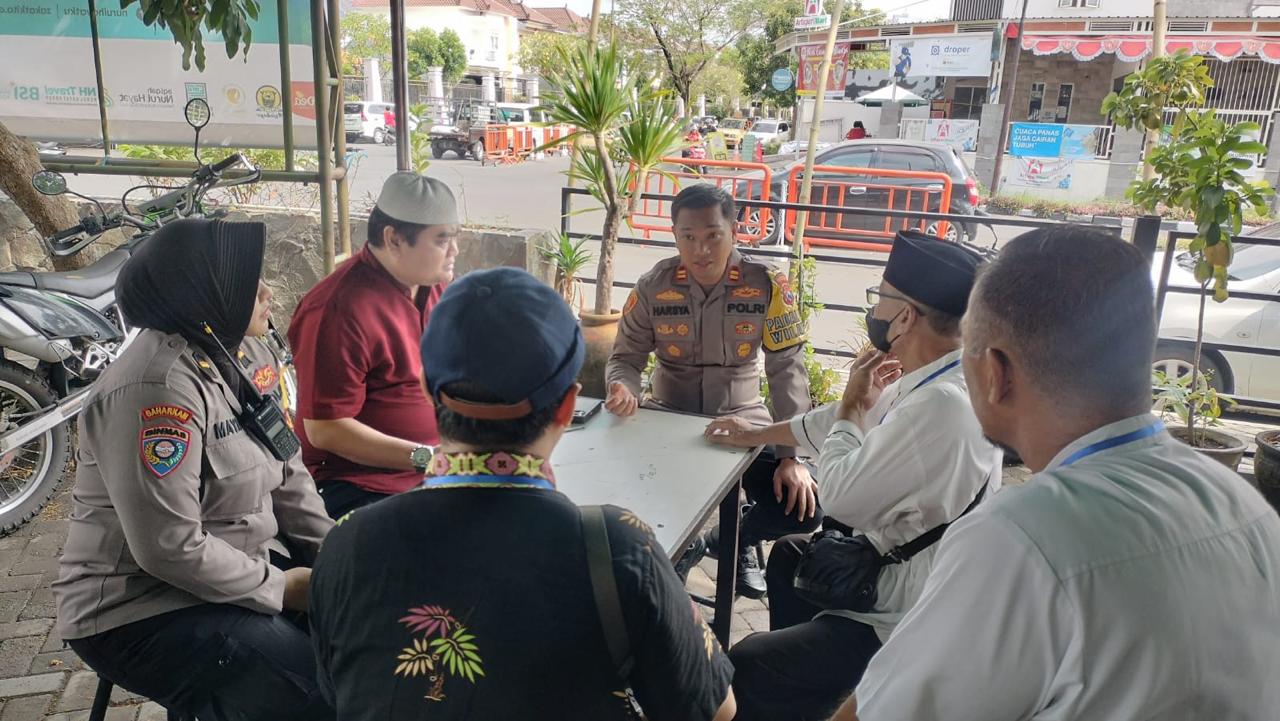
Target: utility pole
1158, 27
1011, 82
399, 84
815, 126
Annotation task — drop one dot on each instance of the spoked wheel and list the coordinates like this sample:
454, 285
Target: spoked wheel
29, 475
771, 234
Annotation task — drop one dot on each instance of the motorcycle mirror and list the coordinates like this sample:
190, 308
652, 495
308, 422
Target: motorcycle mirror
197, 113
49, 182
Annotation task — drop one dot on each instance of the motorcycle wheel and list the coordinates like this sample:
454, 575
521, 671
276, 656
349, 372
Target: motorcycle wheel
28, 475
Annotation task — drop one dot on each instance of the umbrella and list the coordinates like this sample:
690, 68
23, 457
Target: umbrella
891, 93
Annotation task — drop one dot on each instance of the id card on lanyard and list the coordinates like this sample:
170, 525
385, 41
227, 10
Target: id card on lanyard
927, 380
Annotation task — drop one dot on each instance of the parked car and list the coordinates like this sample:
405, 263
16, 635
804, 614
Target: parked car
876, 155
770, 129
733, 129
520, 113
1239, 321
367, 121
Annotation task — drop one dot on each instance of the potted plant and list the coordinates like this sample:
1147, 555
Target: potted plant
1192, 395
1266, 466
569, 259
1200, 168
627, 128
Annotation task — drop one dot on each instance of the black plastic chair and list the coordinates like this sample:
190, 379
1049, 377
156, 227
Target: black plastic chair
102, 697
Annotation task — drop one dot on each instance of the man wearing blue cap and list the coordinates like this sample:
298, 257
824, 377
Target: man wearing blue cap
472, 598
899, 456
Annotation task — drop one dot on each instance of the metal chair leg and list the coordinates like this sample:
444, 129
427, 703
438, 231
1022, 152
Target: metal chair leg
101, 698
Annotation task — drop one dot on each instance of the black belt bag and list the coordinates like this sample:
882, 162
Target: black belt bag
840, 572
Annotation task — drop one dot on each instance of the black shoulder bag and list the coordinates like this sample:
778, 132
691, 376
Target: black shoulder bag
608, 604
839, 572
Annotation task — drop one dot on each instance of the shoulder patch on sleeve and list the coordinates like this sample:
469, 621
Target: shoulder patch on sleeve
631, 302
783, 326
174, 412
163, 448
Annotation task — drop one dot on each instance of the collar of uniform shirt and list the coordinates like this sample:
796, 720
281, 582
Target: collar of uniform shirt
1136, 432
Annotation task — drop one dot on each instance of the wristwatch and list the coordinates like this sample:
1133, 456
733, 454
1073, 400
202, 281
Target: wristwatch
421, 458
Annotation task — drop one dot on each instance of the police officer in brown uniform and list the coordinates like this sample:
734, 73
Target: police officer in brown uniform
707, 314
166, 587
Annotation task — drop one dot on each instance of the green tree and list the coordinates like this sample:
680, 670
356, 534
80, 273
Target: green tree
690, 34
540, 53
365, 36
426, 49
185, 20
453, 56
422, 47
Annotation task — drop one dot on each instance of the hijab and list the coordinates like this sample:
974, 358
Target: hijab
194, 272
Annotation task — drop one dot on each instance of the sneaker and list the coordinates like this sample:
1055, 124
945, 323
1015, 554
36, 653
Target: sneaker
751, 582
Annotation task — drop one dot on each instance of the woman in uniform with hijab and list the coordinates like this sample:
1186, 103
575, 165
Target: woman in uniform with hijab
166, 587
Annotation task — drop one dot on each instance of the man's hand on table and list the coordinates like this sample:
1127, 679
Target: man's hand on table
872, 372
621, 401
792, 479
732, 431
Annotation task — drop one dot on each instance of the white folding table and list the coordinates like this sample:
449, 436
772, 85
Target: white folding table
657, 465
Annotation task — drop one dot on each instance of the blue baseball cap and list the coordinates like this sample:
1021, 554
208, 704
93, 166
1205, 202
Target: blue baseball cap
508, 333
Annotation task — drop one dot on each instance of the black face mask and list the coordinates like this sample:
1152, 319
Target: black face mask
878, 330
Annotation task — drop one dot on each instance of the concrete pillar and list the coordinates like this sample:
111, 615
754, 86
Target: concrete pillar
988, 138
532, 90
1271, 171
372, 81
489, 88
890, 118
680, 109
435, 82
702, 105
1126, 162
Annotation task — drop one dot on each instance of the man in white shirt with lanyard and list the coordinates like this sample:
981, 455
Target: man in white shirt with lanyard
1130, 578
899, 455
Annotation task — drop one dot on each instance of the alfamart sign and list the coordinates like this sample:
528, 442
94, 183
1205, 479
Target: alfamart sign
967, 55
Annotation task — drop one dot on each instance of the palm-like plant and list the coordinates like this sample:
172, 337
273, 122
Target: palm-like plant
569, 258
608, 104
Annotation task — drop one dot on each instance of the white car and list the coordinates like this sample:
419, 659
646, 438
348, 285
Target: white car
363, 120
1239, 321
767, 130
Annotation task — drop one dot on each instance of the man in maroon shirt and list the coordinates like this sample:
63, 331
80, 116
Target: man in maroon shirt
367, 427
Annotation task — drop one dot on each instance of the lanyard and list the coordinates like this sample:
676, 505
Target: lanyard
481, 481
1107, 443
928, 379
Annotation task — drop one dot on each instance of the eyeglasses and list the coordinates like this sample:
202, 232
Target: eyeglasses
874, 296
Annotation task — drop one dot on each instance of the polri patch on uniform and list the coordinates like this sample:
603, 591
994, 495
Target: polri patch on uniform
265, 377
682, 274
177, 413
744, 350
735, 274
783, 284
745, 328
631, 303
665, 329
670, 294
747, 292
682, 329
674, 351
164, 448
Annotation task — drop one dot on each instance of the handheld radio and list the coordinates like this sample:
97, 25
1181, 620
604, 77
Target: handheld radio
261, 416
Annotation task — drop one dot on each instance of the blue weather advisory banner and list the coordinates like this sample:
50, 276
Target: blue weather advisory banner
1053, 140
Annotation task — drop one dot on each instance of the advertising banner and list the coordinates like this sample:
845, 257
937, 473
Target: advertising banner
48, 90
1041, 173
811, 63
967, 55
1053, 140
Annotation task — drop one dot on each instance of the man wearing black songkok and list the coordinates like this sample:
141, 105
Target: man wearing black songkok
899, 455
166, 587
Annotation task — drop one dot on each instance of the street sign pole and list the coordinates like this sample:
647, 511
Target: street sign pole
815, 125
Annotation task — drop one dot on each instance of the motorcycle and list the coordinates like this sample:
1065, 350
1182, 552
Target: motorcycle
60, 330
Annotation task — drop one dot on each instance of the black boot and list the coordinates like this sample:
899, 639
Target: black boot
692, 556
750, 582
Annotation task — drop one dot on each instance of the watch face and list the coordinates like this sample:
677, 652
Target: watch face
421, 457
